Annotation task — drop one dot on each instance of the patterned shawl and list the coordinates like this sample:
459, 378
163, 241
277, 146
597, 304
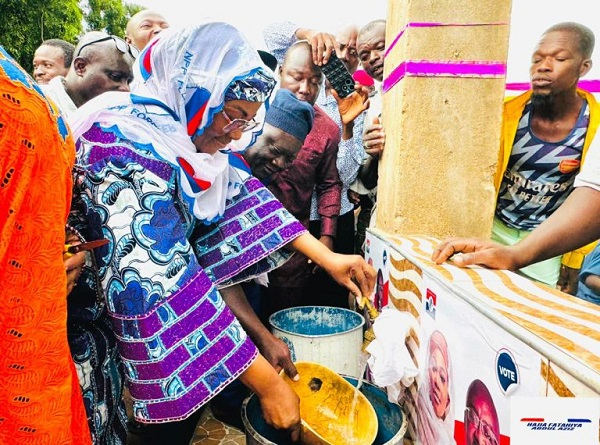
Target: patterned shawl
181, 80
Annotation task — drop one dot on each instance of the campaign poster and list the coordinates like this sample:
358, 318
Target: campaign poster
470, 368
548, 420
377, 255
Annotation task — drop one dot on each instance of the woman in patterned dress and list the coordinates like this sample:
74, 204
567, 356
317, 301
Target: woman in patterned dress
152, 167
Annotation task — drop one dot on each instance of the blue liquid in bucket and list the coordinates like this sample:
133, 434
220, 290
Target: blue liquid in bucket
392, 423
315, 321
390, 416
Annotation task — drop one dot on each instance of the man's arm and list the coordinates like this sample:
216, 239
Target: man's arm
593, 283
273, 349
369, 172
373, 143
328, 187
350, 156
281, 35
574, 224
589, 275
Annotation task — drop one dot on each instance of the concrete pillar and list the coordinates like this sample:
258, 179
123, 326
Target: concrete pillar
442, 110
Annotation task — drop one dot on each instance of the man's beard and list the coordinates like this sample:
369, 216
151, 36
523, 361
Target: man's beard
543, 104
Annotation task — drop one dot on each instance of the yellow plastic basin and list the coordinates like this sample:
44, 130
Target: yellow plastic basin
333, 412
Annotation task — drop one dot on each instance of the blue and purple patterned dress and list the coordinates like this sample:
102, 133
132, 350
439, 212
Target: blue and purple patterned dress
178, 341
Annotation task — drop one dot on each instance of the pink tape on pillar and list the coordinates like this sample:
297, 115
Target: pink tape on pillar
426, 68
433, 25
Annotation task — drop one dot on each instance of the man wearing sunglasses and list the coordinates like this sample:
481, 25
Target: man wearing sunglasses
102, 63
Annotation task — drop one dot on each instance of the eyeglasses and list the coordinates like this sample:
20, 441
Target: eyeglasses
238, 124
486, 429
121, 45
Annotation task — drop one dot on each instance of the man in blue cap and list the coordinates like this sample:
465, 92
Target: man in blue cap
287, 123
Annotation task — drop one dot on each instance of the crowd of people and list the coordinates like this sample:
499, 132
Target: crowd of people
226, 184
145, 143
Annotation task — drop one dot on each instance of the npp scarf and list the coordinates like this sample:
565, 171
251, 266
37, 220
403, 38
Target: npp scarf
180, 81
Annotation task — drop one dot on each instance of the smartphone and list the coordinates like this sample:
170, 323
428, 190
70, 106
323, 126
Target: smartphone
338, 76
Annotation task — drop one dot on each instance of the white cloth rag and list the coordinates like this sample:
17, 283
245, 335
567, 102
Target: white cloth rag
389, 361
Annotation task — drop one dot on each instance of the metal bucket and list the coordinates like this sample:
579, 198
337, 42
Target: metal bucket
257, 430
390, 417
326, 335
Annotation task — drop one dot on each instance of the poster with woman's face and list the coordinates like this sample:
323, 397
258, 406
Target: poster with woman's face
470, 367
437, 374
376, 254
435, 419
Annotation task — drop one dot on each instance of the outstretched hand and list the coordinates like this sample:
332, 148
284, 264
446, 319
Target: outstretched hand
470, 251
352, 272
278, 355
322, 44
353, 105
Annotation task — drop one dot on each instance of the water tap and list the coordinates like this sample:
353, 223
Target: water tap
371, 310
373, 313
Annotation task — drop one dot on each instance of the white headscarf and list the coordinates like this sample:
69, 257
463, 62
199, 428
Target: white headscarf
180, 83
431, 429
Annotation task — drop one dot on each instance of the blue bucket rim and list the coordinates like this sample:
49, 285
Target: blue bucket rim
286, 331
251, 431
249, 428
396, 439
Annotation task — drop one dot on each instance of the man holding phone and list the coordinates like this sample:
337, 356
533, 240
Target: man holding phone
313, 168
348, 114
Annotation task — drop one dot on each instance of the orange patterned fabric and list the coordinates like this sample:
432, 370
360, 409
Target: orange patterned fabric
40, 399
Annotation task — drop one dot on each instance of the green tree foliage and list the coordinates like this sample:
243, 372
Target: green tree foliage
110, 16
25, 24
